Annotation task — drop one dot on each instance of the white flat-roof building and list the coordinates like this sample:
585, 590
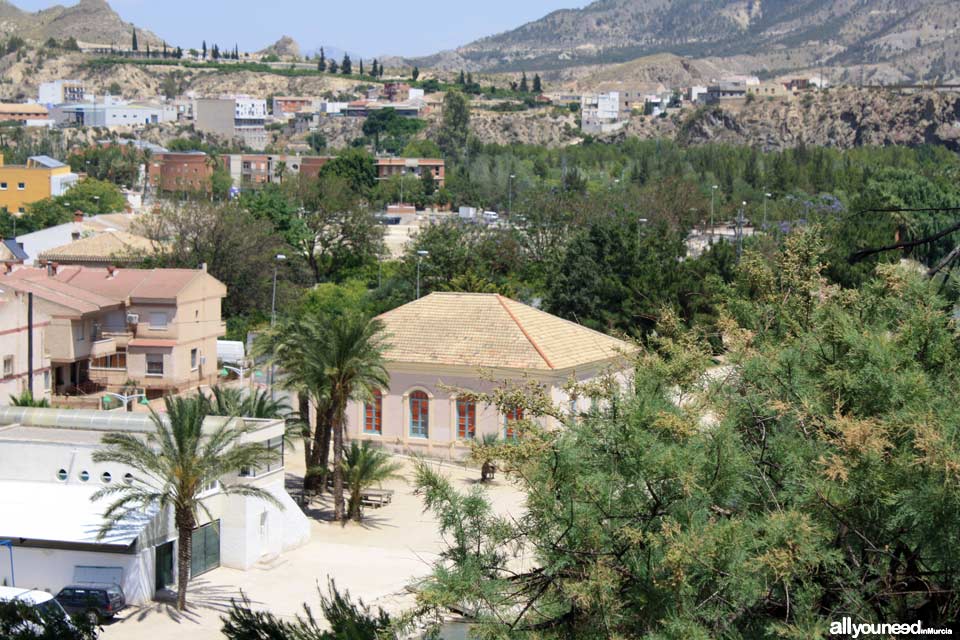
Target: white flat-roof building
48, 477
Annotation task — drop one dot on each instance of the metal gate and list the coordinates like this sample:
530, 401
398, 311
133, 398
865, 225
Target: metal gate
205, 549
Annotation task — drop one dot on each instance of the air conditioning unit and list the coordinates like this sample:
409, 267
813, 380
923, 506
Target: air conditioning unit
133, 318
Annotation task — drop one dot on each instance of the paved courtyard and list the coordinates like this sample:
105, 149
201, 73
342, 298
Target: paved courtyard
374, 560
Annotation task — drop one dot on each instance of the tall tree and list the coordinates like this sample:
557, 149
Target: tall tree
135, 46
375, 69
415, 74
172, 467
361, 67
462, 79
537, 84
455, 126
524, 87
322, 61
346, 67
203, 53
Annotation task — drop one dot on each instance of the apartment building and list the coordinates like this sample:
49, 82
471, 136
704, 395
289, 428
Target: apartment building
238, 118
179, 172
113, 113
61, 92
288, 106
42, 177
155, 328
255, 170
600, 112
22, 324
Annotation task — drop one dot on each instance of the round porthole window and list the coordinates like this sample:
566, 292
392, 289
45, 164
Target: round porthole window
128, 478
62, 475
84, 476
106, 477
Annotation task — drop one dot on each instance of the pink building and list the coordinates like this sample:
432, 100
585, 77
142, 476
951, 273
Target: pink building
473, 341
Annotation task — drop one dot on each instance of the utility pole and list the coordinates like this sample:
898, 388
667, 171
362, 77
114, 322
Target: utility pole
743, 206
713, 193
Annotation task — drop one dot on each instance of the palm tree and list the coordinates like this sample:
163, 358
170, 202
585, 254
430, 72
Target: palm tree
364, 466
230, 401
295, 345
172, 466
353, 369
26, 399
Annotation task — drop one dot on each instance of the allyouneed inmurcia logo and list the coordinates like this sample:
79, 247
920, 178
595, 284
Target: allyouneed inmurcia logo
847, 627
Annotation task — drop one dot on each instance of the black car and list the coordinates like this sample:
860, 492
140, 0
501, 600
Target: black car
99, 601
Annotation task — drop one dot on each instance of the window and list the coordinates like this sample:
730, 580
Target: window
84, 476
466, 418
373, 414
116, 360
512, 416
158, 321
193, 359
275, 445
46, 381
106, 477
3, 186
128, 478
419, 415
62, 475
78, 331
21, 186
7, 366
154, 364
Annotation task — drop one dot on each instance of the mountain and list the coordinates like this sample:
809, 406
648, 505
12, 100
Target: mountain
285, 47
89, 21
918, 38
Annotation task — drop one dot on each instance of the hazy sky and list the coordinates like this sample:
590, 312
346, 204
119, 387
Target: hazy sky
370, 27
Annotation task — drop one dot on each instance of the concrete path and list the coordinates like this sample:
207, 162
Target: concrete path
375, 560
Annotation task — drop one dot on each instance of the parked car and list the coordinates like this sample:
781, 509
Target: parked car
98, 601
50, 611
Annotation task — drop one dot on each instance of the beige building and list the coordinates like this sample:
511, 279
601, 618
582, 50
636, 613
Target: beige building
119, 248
154, 328
472, 341
17, 327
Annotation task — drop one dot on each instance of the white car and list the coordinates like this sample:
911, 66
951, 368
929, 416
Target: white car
46, 605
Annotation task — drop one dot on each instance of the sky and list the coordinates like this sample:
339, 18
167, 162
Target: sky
367, 27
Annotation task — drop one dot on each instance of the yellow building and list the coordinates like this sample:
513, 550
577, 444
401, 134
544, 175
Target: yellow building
42, 177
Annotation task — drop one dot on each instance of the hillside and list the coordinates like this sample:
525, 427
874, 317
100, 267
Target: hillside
891, 38
89, 21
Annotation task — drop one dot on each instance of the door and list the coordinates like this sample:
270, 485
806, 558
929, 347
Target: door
206, 548
164, 566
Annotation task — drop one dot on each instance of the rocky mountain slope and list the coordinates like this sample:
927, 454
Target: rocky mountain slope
285, 47
912, 39
89, 21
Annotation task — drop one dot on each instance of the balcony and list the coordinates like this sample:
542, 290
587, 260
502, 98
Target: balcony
122, 336
103, 347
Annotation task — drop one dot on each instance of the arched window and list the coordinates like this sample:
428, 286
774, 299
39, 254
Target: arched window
466, 418
512, 416
419, 415
373, 414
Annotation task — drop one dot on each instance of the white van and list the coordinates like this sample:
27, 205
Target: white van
48, 608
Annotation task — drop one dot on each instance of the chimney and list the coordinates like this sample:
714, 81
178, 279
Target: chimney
78, 216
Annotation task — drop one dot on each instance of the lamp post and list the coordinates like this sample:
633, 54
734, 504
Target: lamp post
224, 369
273, 312
420, 256
510, 195
125, 398
9, 545
766, 196
713, 193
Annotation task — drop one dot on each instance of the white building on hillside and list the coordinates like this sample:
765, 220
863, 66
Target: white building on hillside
600, 112
48, 477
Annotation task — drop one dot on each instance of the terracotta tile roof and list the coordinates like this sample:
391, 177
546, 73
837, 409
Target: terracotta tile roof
101, 247
75, 302
487, 330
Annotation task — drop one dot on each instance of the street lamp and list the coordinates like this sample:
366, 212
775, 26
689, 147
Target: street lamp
420, 256
713, 193
273, 312
510, 195
125, 398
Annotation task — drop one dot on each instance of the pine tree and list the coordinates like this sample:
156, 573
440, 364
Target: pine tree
136, 47
415, 74
524, 88
346, 67
165, 49
322, 62
469, 78
361, 67
462, 80
179, 53
334, 67
381, 71
204, 50
148, 49
373, 71
537, 84
236, 51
